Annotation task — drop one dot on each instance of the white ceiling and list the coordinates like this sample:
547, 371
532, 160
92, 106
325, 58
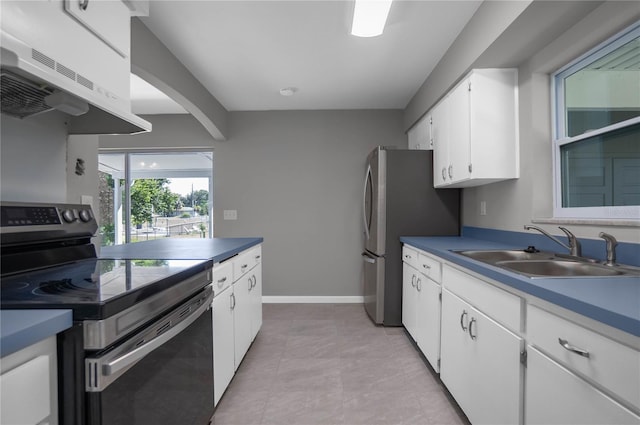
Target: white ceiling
244, 52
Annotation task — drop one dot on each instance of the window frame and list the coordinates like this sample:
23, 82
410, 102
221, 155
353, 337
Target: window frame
560, 139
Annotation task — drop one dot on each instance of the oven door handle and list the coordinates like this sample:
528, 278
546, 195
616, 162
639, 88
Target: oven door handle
134, 356
101, 370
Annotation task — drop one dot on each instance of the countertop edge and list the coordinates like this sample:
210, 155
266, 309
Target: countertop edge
435, 246
22, 328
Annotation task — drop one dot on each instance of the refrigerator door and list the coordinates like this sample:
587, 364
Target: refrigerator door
374, 202
374, 286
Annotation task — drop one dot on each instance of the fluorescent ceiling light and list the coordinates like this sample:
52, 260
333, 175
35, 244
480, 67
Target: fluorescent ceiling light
369, 17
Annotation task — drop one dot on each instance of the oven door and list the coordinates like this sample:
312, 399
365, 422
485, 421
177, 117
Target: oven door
161, 375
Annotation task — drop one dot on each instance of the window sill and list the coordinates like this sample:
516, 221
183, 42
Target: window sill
588, 221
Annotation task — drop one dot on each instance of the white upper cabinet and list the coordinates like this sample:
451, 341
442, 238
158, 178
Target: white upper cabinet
475, 130
420, 134
107, 20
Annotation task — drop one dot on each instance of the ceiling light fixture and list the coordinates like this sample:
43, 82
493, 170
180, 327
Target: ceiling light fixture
369, 17
288, 91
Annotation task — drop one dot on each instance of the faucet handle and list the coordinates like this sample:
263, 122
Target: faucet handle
611, 247
574, 243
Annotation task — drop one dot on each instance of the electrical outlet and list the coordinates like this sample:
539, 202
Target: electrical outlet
230, 214
483, 207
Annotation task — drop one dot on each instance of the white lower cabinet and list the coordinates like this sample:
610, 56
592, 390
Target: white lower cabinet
237, 313
480, 363
555, 395
28, 385
223, 342
421, 304
573, 374
242, 318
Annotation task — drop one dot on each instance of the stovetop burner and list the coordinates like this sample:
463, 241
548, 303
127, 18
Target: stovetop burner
64, 287
94, 288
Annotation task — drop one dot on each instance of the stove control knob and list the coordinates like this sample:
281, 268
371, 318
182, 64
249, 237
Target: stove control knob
69, 216
85, 215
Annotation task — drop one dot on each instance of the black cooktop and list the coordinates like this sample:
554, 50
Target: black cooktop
95, 288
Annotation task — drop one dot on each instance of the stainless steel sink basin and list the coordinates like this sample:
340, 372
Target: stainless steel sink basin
560, 268
547, 264
493, 256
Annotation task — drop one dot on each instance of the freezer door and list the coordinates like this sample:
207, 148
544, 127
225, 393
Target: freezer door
374, 202
374, 286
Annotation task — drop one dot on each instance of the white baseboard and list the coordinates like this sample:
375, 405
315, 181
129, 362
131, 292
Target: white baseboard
270, 299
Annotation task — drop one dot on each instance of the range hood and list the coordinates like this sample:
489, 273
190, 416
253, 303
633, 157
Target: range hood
87, 80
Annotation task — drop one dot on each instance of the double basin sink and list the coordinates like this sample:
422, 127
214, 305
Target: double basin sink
540, 264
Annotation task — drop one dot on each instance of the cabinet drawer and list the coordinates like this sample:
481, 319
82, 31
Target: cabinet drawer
410, 256
246, 260
555, 395
609, 363
25, 392
501, 306
222, 276
429, 267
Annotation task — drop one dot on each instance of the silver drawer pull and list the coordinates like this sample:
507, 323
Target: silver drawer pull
426, 266
407, 256
223, 280
565, 344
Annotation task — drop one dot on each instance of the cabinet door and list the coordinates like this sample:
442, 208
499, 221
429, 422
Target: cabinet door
242, 317
455, 367
256, 300
409, 277
554, 395
110, 21
495, 378
458, 128
428, 320
439, 133
223, 345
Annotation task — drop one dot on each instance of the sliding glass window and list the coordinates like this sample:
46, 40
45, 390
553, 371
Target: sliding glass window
151, 195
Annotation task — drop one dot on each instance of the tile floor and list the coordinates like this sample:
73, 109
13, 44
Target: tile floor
326, 364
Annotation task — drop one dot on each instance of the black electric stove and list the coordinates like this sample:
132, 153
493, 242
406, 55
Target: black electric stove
142, 329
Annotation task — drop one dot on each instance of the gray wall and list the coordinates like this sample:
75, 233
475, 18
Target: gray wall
295, 178
34, 158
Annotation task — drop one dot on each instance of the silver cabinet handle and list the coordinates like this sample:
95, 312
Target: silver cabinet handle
84, 4
462, 316
257, 257
223, 280
418, 285
473, 320
444, 173
254, 281
244, 266
450, 171
233, 301
407, 256
579, 351
413, 280
426, 266
250, 284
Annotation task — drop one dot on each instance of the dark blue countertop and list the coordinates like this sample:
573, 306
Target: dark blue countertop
217, 249
614, 301
22, 328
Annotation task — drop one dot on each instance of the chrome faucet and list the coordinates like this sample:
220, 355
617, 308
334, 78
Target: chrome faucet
611, 248
574, 246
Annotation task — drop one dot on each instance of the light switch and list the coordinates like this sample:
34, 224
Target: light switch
230, 214
483, 208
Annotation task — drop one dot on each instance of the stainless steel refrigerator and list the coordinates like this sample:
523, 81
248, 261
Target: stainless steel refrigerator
399, 200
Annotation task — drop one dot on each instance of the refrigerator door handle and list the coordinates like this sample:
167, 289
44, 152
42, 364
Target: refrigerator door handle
367, 177
367, 258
